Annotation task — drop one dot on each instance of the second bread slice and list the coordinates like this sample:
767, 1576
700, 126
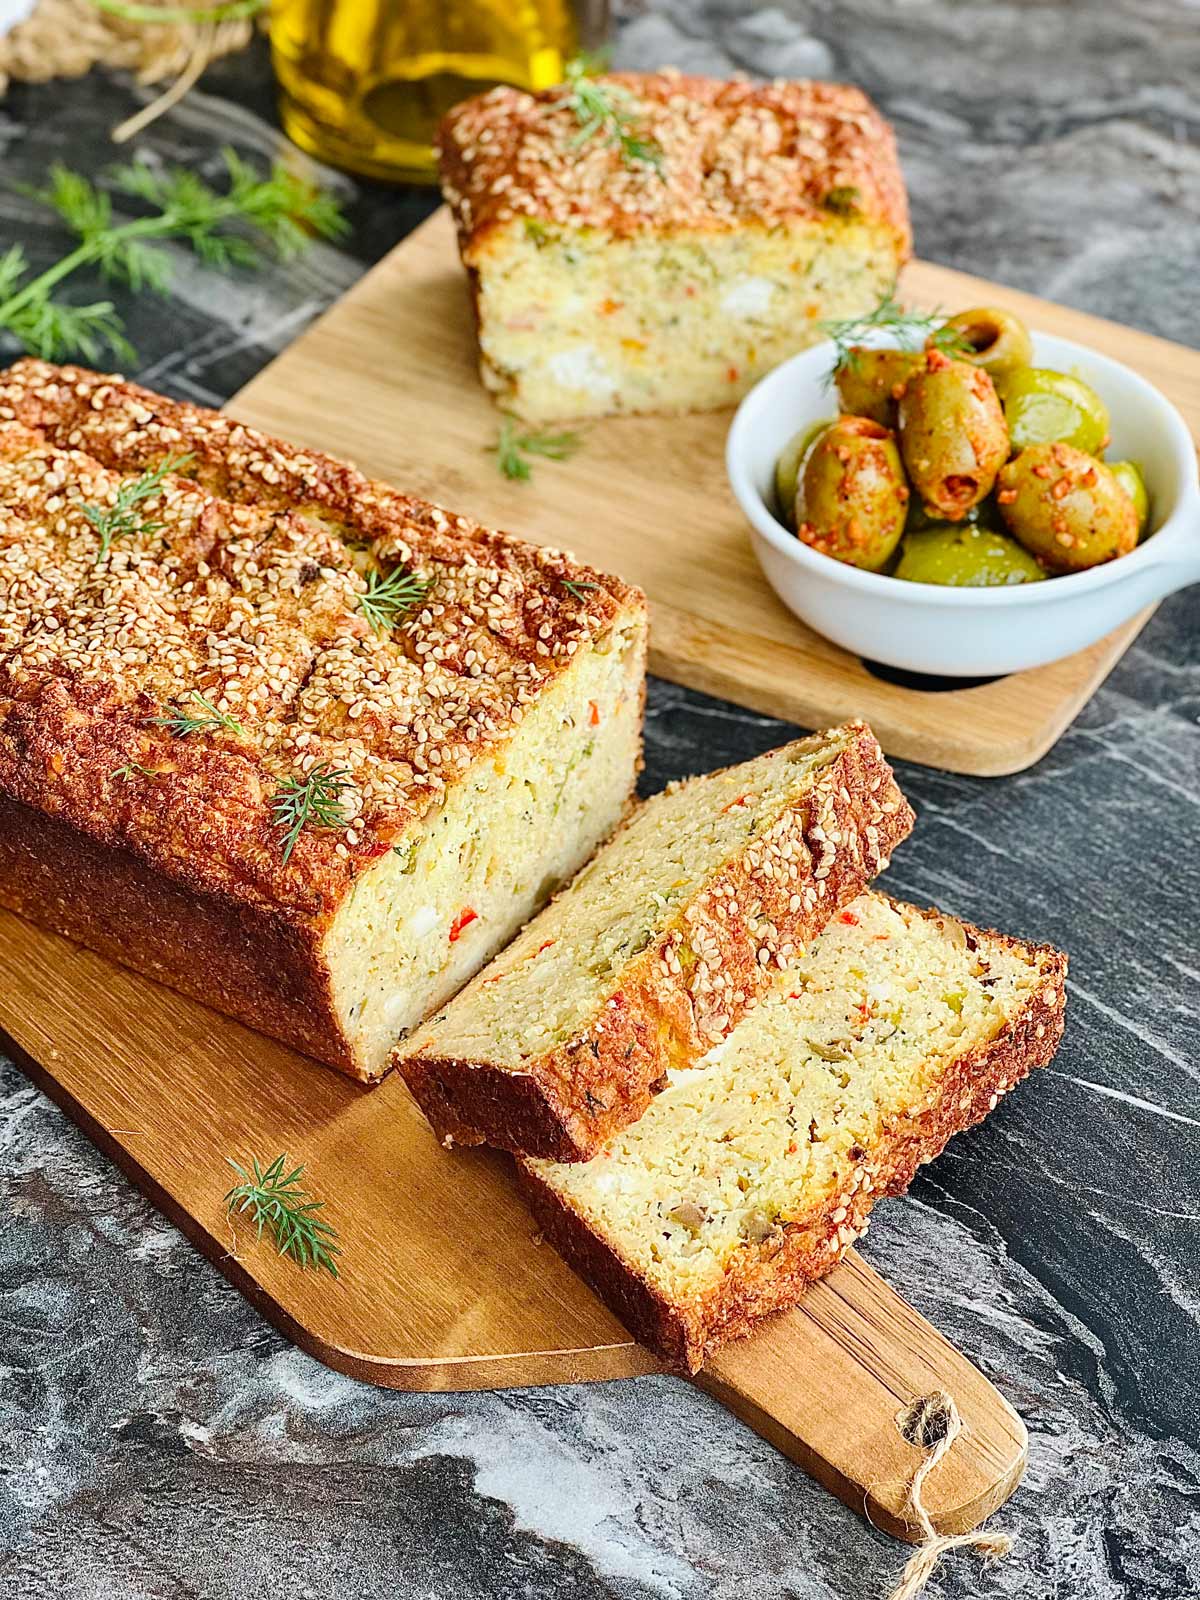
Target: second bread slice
658, 948
754, 1171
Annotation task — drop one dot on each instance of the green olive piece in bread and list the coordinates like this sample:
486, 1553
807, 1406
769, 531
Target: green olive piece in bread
952, 434
960, 555
1066, 508
851, 497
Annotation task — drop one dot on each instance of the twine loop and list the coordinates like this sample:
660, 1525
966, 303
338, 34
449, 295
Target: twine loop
932, 1423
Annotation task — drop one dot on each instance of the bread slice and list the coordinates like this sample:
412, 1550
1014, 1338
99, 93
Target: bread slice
656, 950
752, 1172
671, 280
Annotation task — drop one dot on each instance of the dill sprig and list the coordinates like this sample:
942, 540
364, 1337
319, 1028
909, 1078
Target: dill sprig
126, 772
209, 720
122, 520
388, 599
607, 111
273, 1199
230, 228
515, 443
908, 328
314, 801
227, 11
50, 327
578, 588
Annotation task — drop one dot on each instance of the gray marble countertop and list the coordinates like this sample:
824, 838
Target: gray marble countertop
158, 1440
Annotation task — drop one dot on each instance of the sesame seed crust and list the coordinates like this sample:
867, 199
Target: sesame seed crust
750, 920
732, 153
774, 1275
243, 581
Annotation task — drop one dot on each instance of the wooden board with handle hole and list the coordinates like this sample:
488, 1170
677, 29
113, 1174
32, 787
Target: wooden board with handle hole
387, 378
443, 1281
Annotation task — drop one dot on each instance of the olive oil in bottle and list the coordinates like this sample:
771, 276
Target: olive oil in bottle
363, 83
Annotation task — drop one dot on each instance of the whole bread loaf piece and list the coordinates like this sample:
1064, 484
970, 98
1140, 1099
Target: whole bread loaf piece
754, 1170
658, 948
293, 742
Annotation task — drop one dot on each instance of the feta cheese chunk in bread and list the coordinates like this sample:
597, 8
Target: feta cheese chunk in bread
657, 948
670, 281
296, 743
754, 1169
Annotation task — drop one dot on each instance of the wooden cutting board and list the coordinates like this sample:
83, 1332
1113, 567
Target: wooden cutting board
388, 379
444, 1283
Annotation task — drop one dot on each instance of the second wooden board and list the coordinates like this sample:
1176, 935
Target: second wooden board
388, 379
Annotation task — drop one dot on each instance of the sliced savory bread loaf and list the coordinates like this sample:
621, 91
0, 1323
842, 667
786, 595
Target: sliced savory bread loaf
281, 736
752, 1172
656, 950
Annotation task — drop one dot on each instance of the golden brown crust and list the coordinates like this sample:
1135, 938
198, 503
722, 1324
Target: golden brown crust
129, 428
690, 988
243, 581
259, 966
733, 153
774, 1276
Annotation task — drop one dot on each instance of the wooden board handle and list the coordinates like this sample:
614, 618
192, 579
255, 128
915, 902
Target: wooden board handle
826, 1382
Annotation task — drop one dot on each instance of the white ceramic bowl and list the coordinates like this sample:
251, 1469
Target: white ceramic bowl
924, 627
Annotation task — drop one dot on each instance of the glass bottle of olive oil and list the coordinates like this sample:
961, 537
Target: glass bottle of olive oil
363, 83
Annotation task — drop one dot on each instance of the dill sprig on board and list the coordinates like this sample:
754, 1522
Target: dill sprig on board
515, 444
272, 1198
607, 111
314, 801
49, 327
182, 722
233, 227
908, 328
122, 520
388, 599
